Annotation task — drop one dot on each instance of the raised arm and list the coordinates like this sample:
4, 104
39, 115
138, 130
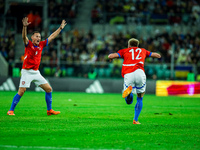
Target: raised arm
24, 30
155, 55
55, 34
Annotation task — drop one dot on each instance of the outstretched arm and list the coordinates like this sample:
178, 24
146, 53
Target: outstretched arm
55, 34
24, 30
113, 55
155, 55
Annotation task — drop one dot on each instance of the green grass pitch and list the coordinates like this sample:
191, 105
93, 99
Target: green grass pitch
99, 121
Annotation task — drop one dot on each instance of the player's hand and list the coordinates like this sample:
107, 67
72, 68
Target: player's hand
110, 58
63, 24
25, 22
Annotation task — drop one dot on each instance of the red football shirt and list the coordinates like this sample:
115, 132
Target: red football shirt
32, 56
134, 58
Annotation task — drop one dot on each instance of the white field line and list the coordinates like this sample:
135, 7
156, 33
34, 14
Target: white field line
48, 147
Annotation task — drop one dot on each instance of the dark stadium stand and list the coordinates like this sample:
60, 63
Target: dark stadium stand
146, 12
80, 53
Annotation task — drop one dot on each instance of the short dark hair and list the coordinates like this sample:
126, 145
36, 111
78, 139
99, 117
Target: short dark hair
35, 32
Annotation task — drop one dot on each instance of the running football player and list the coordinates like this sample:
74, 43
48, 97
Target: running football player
133, 73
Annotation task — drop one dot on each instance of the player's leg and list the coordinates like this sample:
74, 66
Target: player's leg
138, 107
128, 87
17, 97
48, 94
128, 95
25, 82
140, 84
48, 97
129, 99
42, 82
16, 100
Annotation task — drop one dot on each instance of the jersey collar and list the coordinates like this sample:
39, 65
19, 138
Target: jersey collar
34, 45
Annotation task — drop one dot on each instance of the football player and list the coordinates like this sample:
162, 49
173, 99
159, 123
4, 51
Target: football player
30, 72
133, 73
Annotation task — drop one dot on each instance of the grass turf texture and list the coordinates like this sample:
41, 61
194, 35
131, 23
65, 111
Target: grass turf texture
99, 121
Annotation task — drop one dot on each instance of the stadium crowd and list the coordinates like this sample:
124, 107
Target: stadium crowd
78, 46
7, 46
56, 8
146, 11
62, 9
81, 49
87, 48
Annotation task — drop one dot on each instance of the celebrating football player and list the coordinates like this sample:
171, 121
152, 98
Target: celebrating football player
30, 72
133, 73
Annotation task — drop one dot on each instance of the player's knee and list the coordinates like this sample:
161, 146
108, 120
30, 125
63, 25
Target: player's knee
21, 91
48, 89
140, 94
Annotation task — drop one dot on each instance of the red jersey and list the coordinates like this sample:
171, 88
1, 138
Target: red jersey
32, 56
134, 58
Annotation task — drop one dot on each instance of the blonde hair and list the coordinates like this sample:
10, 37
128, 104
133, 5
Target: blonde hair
133, 42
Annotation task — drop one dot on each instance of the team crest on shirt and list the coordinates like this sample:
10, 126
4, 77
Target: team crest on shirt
23, 82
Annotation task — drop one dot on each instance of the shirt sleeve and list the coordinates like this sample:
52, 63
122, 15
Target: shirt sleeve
27, 44
120, 53
45, 43
148, 53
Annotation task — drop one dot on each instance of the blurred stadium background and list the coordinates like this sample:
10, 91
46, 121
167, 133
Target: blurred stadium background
76, 61
78, 56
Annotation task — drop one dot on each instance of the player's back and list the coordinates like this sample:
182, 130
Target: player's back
134, 58
134, 55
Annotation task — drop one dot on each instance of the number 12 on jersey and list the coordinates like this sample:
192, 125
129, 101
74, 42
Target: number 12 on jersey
133, 53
